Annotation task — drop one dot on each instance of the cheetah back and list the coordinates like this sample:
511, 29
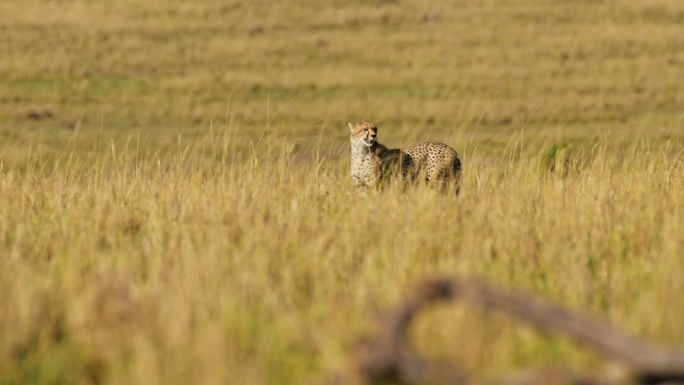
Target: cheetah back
437, 161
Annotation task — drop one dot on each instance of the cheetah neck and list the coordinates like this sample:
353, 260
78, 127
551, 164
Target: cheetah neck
360, 150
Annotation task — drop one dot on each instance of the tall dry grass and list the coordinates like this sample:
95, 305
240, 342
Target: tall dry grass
265, 270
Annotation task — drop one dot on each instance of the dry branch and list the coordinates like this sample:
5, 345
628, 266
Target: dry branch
388, 358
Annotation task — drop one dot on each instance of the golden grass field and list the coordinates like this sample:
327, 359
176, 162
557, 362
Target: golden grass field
176, 206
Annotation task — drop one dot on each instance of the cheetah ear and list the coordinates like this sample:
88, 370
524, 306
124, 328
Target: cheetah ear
351, 127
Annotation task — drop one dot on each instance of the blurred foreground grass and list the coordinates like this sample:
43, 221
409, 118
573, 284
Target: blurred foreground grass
265, 272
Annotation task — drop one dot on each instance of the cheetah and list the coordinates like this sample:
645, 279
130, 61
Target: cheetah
371, 162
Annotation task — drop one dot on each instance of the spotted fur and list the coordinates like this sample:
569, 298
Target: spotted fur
438, 163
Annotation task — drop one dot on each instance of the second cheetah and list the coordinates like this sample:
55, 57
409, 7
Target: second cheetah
371, 162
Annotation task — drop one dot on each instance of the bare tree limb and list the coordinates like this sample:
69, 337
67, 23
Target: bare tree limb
387, 357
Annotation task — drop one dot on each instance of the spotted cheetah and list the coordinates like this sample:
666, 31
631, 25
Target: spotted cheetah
371, 161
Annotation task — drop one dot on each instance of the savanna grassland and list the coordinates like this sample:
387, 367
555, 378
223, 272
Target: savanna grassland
176, 207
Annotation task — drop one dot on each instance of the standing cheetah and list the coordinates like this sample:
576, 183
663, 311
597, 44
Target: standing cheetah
371, 162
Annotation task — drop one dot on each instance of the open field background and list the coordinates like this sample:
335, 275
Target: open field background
175, 205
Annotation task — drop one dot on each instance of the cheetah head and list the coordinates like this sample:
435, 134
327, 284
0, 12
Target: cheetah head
363, 133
